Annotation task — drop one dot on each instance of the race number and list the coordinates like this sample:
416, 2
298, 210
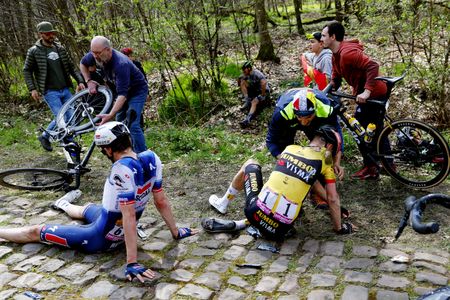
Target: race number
282, 209
115, 234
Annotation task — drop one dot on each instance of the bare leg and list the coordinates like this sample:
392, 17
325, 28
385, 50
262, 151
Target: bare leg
22, 235
253, 107
238, 180
75, 211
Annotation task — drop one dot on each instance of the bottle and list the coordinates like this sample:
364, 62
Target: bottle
370, 133
360, 131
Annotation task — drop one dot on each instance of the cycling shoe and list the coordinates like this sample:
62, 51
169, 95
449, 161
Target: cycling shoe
218, 225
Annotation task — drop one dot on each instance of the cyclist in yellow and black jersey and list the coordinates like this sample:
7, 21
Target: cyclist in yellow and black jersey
274, 207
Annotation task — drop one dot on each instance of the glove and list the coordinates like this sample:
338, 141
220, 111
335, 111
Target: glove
134, 269
346, 228
261, 98
183, 233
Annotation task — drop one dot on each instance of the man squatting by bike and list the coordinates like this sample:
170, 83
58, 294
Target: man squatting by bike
127, 190
274, 207
47, 72
359, 71
306, 110
130, 84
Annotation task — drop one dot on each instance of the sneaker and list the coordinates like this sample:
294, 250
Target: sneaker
45, 143
245, 107
218, 225
219, 204
317, 201
65, 200
245, 123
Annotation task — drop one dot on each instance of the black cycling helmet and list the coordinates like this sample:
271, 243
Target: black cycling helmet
247, 64
331, 136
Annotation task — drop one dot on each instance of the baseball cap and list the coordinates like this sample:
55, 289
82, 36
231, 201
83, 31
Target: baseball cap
44, 27
315, 35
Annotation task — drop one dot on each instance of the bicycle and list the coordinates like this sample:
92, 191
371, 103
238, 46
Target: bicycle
414, 210
418, 155
82, 109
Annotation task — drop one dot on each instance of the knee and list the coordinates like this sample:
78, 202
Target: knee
251, 161
34, 233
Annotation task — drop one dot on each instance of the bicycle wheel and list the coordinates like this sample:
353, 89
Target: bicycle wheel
34, 179
79, 113
418, 154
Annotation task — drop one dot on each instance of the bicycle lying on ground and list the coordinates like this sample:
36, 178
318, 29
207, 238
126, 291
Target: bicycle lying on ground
76, 117
417, 155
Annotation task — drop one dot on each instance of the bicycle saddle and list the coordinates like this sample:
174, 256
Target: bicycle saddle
390, 80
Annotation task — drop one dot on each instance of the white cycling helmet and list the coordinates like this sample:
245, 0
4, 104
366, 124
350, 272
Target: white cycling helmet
109, 132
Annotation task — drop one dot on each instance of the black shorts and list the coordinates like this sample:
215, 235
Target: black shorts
267, 225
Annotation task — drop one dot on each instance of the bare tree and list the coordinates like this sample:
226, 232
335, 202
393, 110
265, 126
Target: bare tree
266, 50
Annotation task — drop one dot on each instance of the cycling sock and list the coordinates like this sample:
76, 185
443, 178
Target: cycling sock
61, 204
230, 193
241, 224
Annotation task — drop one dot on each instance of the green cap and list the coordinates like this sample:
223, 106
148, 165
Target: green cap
45, 27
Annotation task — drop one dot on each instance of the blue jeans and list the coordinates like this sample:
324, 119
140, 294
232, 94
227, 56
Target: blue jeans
132, 110
55, 99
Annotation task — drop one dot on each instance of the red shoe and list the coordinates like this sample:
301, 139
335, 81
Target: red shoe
360, 172
438, 160
368, 172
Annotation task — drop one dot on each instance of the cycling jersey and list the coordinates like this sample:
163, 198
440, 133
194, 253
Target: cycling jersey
278, 203
130, 183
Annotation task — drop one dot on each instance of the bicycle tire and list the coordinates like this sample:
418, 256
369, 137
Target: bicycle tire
85, 107
35, 179
419, 155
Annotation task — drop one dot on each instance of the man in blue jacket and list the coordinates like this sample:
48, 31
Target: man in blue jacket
130, 84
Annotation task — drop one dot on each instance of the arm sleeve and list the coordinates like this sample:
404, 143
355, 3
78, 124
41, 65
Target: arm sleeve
360, 61
279, 135
88, 60
29, 65
122, 72
157, 186
336, 77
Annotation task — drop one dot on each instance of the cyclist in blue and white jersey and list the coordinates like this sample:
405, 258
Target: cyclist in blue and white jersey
127, 190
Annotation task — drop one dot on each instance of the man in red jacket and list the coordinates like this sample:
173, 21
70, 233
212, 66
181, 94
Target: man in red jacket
359, 71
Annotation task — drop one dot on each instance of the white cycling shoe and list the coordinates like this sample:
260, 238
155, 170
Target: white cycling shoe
219, 204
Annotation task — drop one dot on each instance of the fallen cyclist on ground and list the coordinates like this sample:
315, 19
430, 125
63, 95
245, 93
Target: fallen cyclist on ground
274, 207
127, 190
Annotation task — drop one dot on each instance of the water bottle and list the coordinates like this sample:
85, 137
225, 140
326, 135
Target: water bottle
370, 133
360, 131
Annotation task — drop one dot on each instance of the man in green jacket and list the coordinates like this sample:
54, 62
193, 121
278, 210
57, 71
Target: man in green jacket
47, 72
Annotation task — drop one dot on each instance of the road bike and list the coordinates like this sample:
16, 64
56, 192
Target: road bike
411, 151
76, 117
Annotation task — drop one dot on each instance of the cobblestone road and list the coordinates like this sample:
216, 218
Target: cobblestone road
205, 266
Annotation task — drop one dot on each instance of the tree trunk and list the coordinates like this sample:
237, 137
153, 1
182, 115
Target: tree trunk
266, 50
298, 16
338, 6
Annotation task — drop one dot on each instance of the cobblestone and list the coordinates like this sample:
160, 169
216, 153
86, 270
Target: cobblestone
353, 292
205, 267
164, 291
431, 278
195, 291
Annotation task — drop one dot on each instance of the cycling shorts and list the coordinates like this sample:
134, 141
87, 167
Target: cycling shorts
267, 225
86, 238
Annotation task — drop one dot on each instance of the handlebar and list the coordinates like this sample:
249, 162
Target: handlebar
344, 95
414, 212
